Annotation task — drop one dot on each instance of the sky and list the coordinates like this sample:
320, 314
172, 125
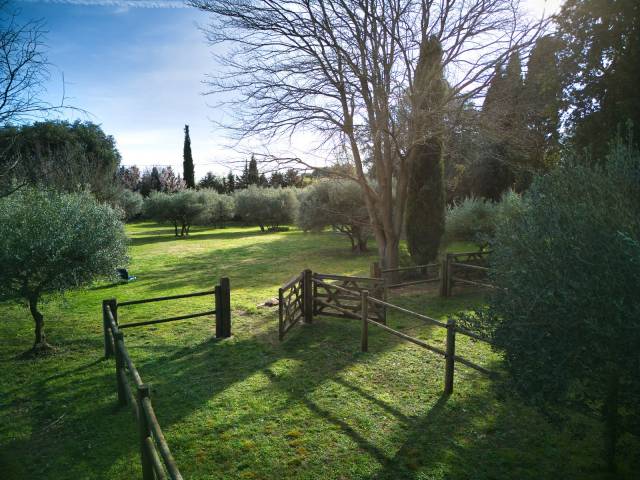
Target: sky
137, 67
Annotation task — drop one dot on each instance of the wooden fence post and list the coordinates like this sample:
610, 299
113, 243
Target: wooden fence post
375, 270
223, 308
225, 293
443, 278
449, 284
450, 357
106, 326
113, 303
144, 432
307, 296
280, 314
364, 315
122, 394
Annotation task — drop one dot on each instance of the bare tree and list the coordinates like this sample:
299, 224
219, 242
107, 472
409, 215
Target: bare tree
343, 69
24, 72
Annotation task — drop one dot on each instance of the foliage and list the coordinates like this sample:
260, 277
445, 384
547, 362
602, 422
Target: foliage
267, 207
475, 219
425, 215
338, 204
164, 180
600, 41
129, 177
218, 208
65, 156
187, 165
51, 242
568, 322
211, 181
129, 203
181, 209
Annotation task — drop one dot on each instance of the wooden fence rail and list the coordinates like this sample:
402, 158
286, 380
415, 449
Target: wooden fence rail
155, 456
449, 353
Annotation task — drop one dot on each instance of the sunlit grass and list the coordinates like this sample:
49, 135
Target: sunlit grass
250, 407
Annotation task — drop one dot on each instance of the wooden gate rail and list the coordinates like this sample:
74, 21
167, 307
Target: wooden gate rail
339, 296
155, 456
449, 353
293, 303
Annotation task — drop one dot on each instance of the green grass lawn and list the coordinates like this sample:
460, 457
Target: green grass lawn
250, 407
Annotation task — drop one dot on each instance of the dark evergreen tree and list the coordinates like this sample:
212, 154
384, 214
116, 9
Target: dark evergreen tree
243, 180
425, 213
231, 183
253, 175
214, 182
187, 165
601, 70
540, 101
276, 179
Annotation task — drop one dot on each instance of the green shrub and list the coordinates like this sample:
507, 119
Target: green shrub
51, 242
218, 208
475, 219
129, 203
569, 259
338, 204
269, 208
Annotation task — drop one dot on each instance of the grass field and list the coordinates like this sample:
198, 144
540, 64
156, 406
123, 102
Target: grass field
250, 407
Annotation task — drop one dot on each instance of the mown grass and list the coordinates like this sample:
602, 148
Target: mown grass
250, 407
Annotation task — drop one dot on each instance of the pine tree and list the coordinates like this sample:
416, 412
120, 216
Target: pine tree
242, 181
188, 172
253, 176
231, 182
425, 213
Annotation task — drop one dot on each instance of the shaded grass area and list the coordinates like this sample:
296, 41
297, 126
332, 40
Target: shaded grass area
249, 407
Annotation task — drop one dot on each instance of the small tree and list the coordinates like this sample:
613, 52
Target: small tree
568, 320
217, 209
51, 242
268, 208
180, 208
128, 202
338, 204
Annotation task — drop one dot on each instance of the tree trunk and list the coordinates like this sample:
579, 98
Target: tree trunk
40, 343
175, 227
610, 411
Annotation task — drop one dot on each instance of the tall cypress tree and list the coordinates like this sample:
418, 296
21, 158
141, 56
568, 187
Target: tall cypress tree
187, 165
425, 213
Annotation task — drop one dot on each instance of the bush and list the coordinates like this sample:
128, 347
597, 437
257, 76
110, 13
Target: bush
569, 323
474, 219
218, 208
338, 204
129, 203
181, 208
50, 242
269, 208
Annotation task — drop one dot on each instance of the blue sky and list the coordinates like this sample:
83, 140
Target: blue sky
137, 67
139, 72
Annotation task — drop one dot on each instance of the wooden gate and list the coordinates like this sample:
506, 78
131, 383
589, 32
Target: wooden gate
294, 302
340, 296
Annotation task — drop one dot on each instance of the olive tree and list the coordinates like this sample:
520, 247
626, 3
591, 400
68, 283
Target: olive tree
568, 316
128, 202
180, 208
218, 208
266, 207
51, 242
338, 204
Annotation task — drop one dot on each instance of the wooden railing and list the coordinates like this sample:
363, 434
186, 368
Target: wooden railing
466, 268
294, 303
155, 456
449, 353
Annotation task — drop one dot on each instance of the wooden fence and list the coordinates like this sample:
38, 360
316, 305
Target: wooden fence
309, 294
155, 456
467, 268
449, 353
